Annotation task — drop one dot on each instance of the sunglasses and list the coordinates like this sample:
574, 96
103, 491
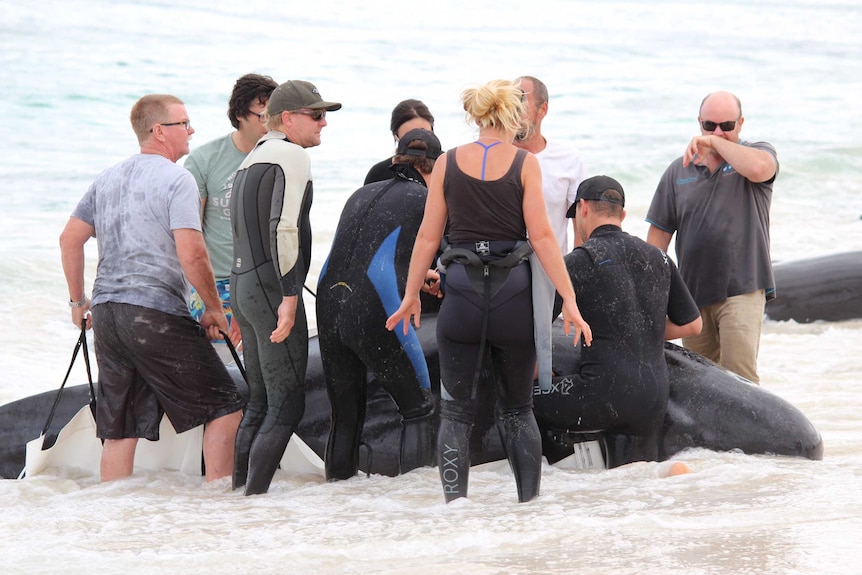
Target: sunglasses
316, 115
710, 126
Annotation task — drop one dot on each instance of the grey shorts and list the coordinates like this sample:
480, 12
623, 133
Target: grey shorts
152, 363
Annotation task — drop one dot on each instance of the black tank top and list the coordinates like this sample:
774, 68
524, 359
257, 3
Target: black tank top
484, 209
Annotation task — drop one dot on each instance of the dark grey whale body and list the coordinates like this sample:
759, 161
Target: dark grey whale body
827, 288
708, 408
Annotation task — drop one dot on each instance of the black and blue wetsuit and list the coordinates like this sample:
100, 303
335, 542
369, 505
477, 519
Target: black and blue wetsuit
626, 288
272, 247
360, 285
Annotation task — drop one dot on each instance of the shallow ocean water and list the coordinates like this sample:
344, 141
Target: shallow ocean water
625, 81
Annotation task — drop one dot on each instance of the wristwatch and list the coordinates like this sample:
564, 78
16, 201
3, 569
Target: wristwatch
81, 303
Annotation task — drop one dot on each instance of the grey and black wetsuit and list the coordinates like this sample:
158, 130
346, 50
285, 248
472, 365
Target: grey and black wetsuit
360, 285
625, 290
272, 247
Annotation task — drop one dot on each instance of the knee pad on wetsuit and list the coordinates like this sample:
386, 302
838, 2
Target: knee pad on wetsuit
460, 411
514, 411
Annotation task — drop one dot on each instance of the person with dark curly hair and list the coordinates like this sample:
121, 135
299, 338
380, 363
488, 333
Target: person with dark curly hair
214, 167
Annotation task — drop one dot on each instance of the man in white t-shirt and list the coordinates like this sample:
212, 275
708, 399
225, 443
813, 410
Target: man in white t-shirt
562, 167
562, 173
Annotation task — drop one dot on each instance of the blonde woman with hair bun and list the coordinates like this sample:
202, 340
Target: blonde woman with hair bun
490, 193
496, 105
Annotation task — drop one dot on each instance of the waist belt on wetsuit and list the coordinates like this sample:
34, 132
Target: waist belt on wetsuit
486, 276
486, 270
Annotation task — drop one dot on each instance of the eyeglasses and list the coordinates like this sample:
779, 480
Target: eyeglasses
710, 126
185, 123
259, 116
316, 115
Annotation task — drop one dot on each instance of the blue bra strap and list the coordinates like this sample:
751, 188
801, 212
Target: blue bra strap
485, 156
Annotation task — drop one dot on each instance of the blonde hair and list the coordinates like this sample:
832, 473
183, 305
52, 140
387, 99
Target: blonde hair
497, 104
272, 122
150, 110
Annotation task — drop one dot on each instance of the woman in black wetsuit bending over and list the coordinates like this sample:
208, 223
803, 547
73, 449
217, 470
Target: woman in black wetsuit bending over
490, 192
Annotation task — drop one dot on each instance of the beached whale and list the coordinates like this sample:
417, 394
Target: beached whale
708, 408
825, 288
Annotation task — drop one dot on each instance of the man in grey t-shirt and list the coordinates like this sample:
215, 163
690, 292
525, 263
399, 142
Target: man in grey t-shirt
716, 198
153, 358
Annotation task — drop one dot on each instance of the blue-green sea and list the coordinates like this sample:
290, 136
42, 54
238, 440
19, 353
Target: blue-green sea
625, 80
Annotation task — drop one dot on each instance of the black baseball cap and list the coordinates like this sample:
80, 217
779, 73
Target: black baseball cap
595, 188
432, 144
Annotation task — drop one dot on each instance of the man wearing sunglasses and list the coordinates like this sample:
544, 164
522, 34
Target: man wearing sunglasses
214, 166
562, 172
716, 198
269, 209
562, 167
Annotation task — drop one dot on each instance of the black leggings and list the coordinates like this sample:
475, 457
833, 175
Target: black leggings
276, 378
510, 346
354, 342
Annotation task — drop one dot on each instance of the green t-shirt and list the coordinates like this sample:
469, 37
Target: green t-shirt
214, 167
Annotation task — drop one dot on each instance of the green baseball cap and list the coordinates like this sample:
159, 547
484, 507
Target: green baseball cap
296, 94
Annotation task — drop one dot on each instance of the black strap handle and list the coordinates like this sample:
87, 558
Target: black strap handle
235, 355
81, 343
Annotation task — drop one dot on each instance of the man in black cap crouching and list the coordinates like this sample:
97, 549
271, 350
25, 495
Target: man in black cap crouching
634, 299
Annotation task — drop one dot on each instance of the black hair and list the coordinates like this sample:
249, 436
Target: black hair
406, 111
247, 90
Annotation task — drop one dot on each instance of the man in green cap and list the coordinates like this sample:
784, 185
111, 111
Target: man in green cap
272, 250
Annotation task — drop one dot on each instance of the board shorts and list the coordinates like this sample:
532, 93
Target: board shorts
197, 307
153, 363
